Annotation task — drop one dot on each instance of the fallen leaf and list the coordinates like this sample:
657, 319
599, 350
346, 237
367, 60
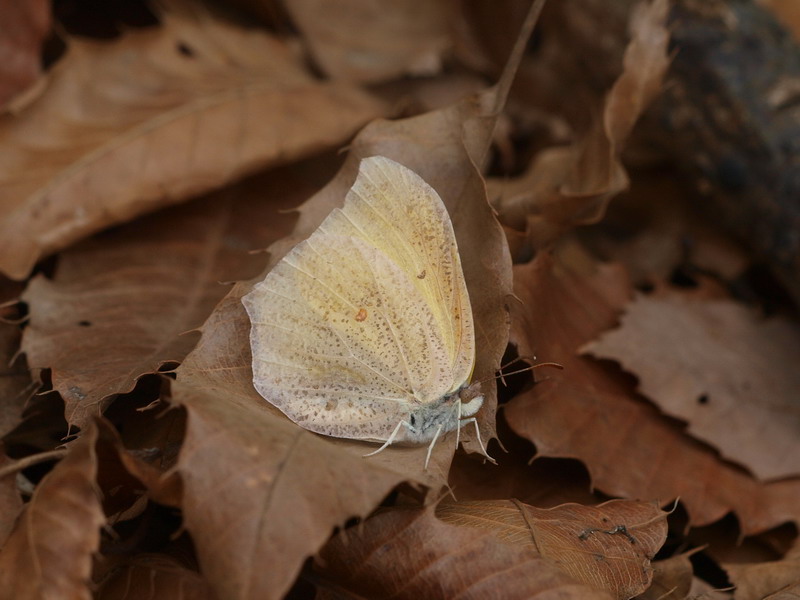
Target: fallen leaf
590, 412
408, 554
371, 41
734, 379
773, 579
152, 118
25, 25
121, 304
16, 385
10, 501
608, 547
672, 579
148, 452
153, 577
49, 552
569, 186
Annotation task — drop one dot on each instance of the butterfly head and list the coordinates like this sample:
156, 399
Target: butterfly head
443, 416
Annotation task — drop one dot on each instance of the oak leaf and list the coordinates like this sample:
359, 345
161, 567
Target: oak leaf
152, 118
121, 305
590, 411
569, 186
731, 375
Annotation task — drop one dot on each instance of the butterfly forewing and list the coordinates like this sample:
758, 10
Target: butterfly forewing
395, 210
369, 318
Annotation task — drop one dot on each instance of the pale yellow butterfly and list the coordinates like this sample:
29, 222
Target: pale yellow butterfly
364, 330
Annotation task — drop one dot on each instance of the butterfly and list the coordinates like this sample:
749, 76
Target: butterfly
365, 329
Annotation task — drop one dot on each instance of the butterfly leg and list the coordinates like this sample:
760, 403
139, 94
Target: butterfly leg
391, 438
458, 420
478, 431
430, 448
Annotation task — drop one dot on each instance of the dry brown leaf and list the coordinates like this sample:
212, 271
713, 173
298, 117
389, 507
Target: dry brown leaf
608, 547
566, 187
49, 552
370, 41
16, 386
124, 477
701, 590
589, 411
410, 554
731, 375
154, 577
773, 580
121, 304
152, 118
10, 502
672, 579
25, 25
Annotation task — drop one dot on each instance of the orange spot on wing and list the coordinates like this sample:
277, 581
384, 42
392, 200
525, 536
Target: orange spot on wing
361, 315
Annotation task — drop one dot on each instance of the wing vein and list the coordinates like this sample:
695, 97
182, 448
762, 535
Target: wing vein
370, 367
320, 282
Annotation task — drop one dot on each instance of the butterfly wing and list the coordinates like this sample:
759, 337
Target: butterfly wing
369, 318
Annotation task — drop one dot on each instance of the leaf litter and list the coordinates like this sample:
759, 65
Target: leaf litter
174, 477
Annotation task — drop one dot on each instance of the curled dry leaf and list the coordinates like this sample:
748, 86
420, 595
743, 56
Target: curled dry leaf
589, 411
124, 477
374, 560
120, 305
49, 552
370, 41
734, 380
25, 25
608, 547
565, 187
153, 577
152, 118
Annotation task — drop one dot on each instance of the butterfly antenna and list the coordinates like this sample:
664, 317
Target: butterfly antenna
501, 375
430, 448
390, 440
528, 357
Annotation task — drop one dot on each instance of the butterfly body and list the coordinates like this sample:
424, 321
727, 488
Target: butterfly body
365, 330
